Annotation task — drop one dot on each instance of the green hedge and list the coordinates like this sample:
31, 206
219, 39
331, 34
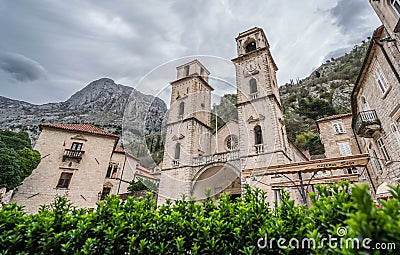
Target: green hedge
186, 227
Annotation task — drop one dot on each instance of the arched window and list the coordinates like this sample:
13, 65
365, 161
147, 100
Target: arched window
106, 191
181, 108
364, 104
258, 135
177, 151
251, 47
253, 86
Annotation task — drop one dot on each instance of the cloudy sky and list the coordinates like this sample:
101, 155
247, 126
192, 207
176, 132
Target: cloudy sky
51, 49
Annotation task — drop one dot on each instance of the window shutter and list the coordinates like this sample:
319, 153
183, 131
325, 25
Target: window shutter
380, 80
382, 147
338, 128
345, 149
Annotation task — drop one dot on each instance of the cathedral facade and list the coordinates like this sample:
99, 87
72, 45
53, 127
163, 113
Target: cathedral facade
199, 162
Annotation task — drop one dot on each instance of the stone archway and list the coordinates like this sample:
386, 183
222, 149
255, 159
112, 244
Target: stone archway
218, 179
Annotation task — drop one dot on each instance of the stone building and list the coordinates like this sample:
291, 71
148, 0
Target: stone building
376, 101
197, 159
79, 161
337, 135
122, 168
339, 140
388, 12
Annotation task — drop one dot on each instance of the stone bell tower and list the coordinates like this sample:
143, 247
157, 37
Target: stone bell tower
262, 133
187, 128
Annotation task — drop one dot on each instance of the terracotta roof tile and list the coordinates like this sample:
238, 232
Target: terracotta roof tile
119, 149
146, 175
140, 170
85, 128
337, 116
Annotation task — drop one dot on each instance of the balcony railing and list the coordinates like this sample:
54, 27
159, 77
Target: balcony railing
259, 148
68, 153
254, 96
175, 162
367, 123
217, 157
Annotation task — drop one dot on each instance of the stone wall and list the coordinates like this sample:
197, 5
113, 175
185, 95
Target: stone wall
88, 174
387, 106
331, 139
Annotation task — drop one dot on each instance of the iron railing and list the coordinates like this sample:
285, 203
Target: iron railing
365, 119
68, 153
217, 157
175, 162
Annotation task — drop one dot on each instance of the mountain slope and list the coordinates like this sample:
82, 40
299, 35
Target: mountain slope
325, 92
102, 103
103, 95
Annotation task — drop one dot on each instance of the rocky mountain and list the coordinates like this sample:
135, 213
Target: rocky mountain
102, 103
139, 118
326, 91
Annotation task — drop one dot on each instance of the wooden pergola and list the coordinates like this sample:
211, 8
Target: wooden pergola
317, 180
312, 166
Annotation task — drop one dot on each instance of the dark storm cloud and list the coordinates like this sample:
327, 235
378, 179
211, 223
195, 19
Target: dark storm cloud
351, 14
20, 67
81, 41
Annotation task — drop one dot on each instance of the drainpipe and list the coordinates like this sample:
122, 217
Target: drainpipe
122, 174
366, 167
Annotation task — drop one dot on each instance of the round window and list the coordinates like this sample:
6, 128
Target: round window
232, 142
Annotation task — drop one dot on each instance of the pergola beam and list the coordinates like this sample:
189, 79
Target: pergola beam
318, 180
346, 162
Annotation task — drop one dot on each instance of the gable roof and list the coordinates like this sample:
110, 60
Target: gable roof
337, 116
140, 170
225, 124
84, 128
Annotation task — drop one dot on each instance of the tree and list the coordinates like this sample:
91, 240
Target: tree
136, 186
17, 159
27, 160
314, 145
310, 142
10, 170
315, 108
225, 111
16, 141
142, 184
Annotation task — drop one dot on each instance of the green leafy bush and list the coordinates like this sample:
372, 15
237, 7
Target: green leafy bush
17, 159
187, 227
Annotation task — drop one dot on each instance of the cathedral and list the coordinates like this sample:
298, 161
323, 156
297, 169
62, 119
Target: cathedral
199, 162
